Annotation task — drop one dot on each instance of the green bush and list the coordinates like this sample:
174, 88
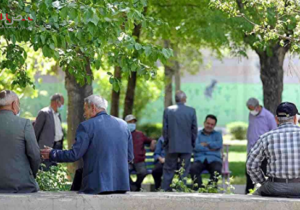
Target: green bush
53, 180
153, 131
238, 130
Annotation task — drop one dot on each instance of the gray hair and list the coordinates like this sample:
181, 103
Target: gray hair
98, 101
179, 96
7, 97
252, 102
56, 97
282, 120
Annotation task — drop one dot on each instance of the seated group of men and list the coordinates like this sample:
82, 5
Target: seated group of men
207, 154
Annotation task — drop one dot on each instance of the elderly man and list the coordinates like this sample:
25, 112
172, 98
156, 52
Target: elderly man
139, 140
19, 151
159, 160
280, 147
105, 144
261, 121
207, 152
47, 127
180, 133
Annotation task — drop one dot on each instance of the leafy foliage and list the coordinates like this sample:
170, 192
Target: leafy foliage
146, 91
238, 130
53, 180
153, 131
179, 184
78, 33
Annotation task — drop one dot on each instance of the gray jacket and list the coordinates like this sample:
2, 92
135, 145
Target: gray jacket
19, 154
44, 127
180, 128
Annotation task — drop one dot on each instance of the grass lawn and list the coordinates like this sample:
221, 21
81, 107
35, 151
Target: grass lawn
237, 157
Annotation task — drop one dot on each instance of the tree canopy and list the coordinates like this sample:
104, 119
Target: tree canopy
77, 33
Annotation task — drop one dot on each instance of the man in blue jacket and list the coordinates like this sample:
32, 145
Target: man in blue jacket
105, 144
207, 152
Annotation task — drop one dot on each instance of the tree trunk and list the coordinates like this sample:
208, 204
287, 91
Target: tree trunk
271, 74
169, 72
76, 95
115, 96
177, 72
130, 93
168, 86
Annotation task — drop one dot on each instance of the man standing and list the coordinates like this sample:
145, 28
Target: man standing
19, 151
47, 127
139, 140
261, 121
207, 152
280, 147
180, 133
105, 144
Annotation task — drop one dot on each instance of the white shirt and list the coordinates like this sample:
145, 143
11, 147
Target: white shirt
58, 129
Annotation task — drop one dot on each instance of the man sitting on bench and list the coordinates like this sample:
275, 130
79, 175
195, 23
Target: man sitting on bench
139, 140
207, 152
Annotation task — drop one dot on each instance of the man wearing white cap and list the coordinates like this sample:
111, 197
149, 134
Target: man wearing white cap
139, 141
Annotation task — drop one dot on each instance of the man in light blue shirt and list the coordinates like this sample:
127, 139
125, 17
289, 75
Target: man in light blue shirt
207, 152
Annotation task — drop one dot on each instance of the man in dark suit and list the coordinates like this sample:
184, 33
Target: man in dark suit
105, 144
180, 133
47, 127
19, 151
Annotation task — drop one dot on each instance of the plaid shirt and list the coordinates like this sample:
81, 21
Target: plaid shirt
281, 148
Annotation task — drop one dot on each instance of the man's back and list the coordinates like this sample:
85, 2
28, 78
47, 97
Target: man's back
180, 128
105, 144
19, 154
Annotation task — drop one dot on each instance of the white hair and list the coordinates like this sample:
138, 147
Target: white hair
98, 101
282, 120
7, 97
252, 102
179, 96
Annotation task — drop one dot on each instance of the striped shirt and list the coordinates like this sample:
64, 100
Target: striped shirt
281, 148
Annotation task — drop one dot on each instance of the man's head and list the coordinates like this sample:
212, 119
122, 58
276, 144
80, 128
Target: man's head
286, 112
93, 105
253, 106
131, 122
210, 123
180, 97
57, 102
9, 100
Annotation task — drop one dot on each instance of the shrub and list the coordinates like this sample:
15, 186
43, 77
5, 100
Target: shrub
153, 131
238, 130
53, 180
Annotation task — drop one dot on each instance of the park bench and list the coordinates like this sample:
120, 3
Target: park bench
225, 164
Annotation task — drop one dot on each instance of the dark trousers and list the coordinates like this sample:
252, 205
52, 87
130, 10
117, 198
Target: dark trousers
141, 173
198, 167
77, 180
157, 173
170, 167
249, 184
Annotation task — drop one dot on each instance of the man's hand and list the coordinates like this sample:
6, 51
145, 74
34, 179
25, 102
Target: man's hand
161, 160
46, 152
204, 144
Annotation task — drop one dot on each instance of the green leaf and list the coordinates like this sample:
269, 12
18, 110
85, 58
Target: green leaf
148, 51
166, 53
73, 13
52, 46
138, 46
109, 73
64, 12
46, 51
43, 38
111, 80
98, 64
48, 3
